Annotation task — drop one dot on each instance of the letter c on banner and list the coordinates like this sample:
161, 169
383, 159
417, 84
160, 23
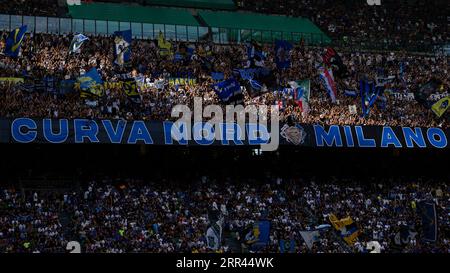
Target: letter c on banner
17, 130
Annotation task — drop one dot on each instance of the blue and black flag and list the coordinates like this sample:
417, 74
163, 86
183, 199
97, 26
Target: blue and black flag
255, 88
261, 83
91, 84
431, 95
131, 90
76, 43
122, 49
287, 246
261, 232
369, 93
282, 51
14, 41
332, 58
229, 91
427, 211
255, 54
423, 94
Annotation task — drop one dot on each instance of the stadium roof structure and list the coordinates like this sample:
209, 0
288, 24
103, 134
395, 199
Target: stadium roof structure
200, 4
273, 23
237, 26
133, 13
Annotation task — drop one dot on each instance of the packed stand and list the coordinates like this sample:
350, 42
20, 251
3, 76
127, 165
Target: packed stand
415, 25
129, 215
46, 56
33, 8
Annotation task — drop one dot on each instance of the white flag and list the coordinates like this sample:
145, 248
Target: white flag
310, 237
76, 43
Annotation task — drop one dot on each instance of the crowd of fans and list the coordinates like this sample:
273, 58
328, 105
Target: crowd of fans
398, 24
33, 8
129, 215
47, 56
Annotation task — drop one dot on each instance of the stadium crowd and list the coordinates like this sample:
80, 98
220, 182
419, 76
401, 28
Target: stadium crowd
32, 8
393, 24
46, 55
129, 215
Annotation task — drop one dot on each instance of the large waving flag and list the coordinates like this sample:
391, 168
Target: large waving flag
282, 57
76, 43
261, 231
302, 93
91, 84
255, 54
165, 47
229, 91
423, 95
255, 88
432, 97
427, 210
441, 106
310, 237
122, 40
258, 82
214, 235
347, 227
332, 58
14, 41
327, 78
131, 90
369, 94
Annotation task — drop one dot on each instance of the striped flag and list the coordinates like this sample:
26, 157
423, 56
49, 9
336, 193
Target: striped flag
302, 92
326, 76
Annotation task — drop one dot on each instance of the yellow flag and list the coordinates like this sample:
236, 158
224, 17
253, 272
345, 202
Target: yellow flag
17, 40
351, 239
441, 106
337, 224
347, 221
164, 46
